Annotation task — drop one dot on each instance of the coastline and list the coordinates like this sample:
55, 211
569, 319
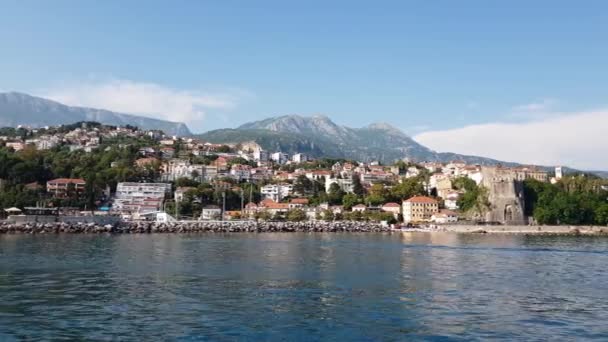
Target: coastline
528, 230
286, 227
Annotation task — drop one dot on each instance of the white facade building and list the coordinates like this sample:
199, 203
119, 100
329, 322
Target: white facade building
280, 157
276, 192
346, 184
299, 158
140, 197
260, 155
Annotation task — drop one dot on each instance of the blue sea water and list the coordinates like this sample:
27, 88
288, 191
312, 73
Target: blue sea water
303, 287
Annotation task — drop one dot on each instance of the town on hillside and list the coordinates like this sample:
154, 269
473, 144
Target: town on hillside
91, 169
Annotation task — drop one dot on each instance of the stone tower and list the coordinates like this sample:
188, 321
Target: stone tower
506, 195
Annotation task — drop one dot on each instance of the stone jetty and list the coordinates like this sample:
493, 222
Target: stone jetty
192, 227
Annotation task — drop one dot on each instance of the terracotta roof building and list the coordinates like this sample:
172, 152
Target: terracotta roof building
419, 209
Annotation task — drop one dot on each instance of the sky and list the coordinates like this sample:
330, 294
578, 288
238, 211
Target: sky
514, 80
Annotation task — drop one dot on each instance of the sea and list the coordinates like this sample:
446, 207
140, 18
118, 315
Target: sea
303, 287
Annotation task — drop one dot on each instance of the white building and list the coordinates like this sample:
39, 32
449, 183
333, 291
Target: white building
279, 157
299, 158
444, 216
346, 184
240, 172
140, 197
211, 212
276, 192
451, 200
260, 155
181, 168
559, 173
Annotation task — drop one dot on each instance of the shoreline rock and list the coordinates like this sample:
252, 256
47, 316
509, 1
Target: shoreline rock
191, 227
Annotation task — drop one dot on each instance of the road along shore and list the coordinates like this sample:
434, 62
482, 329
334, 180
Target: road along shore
535, 229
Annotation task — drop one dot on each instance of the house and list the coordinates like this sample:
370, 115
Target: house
273, 207
167, 152
240, 172
444, 216
250, 209
359, 207
17, 146
298, 203
419, 209
182, 168
211, 212
181, 192
143, 162
451, 200
393, 208
61, 187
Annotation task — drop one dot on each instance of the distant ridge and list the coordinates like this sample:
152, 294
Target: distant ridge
321, 137
23, 109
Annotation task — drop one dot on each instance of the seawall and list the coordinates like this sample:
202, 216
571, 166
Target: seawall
190, 227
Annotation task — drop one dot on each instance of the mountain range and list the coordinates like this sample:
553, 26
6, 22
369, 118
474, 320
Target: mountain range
23, 109
320, 136
317, 135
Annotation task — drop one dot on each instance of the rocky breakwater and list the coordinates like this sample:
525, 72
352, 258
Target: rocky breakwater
192, 227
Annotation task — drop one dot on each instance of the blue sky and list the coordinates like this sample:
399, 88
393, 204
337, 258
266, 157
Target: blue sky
423, 66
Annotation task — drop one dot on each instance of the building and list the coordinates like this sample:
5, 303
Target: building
182, 168
276, 192
260, 155
346, 184
211, 212
451, 200
181, 192
66, 187
140, 197
240, 172
559, 173
419, 209
444, 216
393, 208
298, 203
359, 207
299, 158
279, 157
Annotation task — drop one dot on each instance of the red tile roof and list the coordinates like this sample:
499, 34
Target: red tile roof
67, 181
299, 201
421, 199
391, 205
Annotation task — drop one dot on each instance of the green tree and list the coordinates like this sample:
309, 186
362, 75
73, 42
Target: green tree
350, 200
357, 186
296, 215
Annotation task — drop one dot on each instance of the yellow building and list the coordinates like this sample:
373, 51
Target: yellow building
419, 209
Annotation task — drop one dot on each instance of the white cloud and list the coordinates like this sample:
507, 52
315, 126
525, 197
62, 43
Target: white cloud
574, 139
143, 98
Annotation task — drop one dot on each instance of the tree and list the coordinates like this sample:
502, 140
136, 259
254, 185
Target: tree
335, 195
328, 215
349, 201
377, 195
296, 215
303, 186
357, 186
262, 215
601, 215
408, 188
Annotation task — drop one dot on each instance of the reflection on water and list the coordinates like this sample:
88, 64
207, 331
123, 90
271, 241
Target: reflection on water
302, 287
